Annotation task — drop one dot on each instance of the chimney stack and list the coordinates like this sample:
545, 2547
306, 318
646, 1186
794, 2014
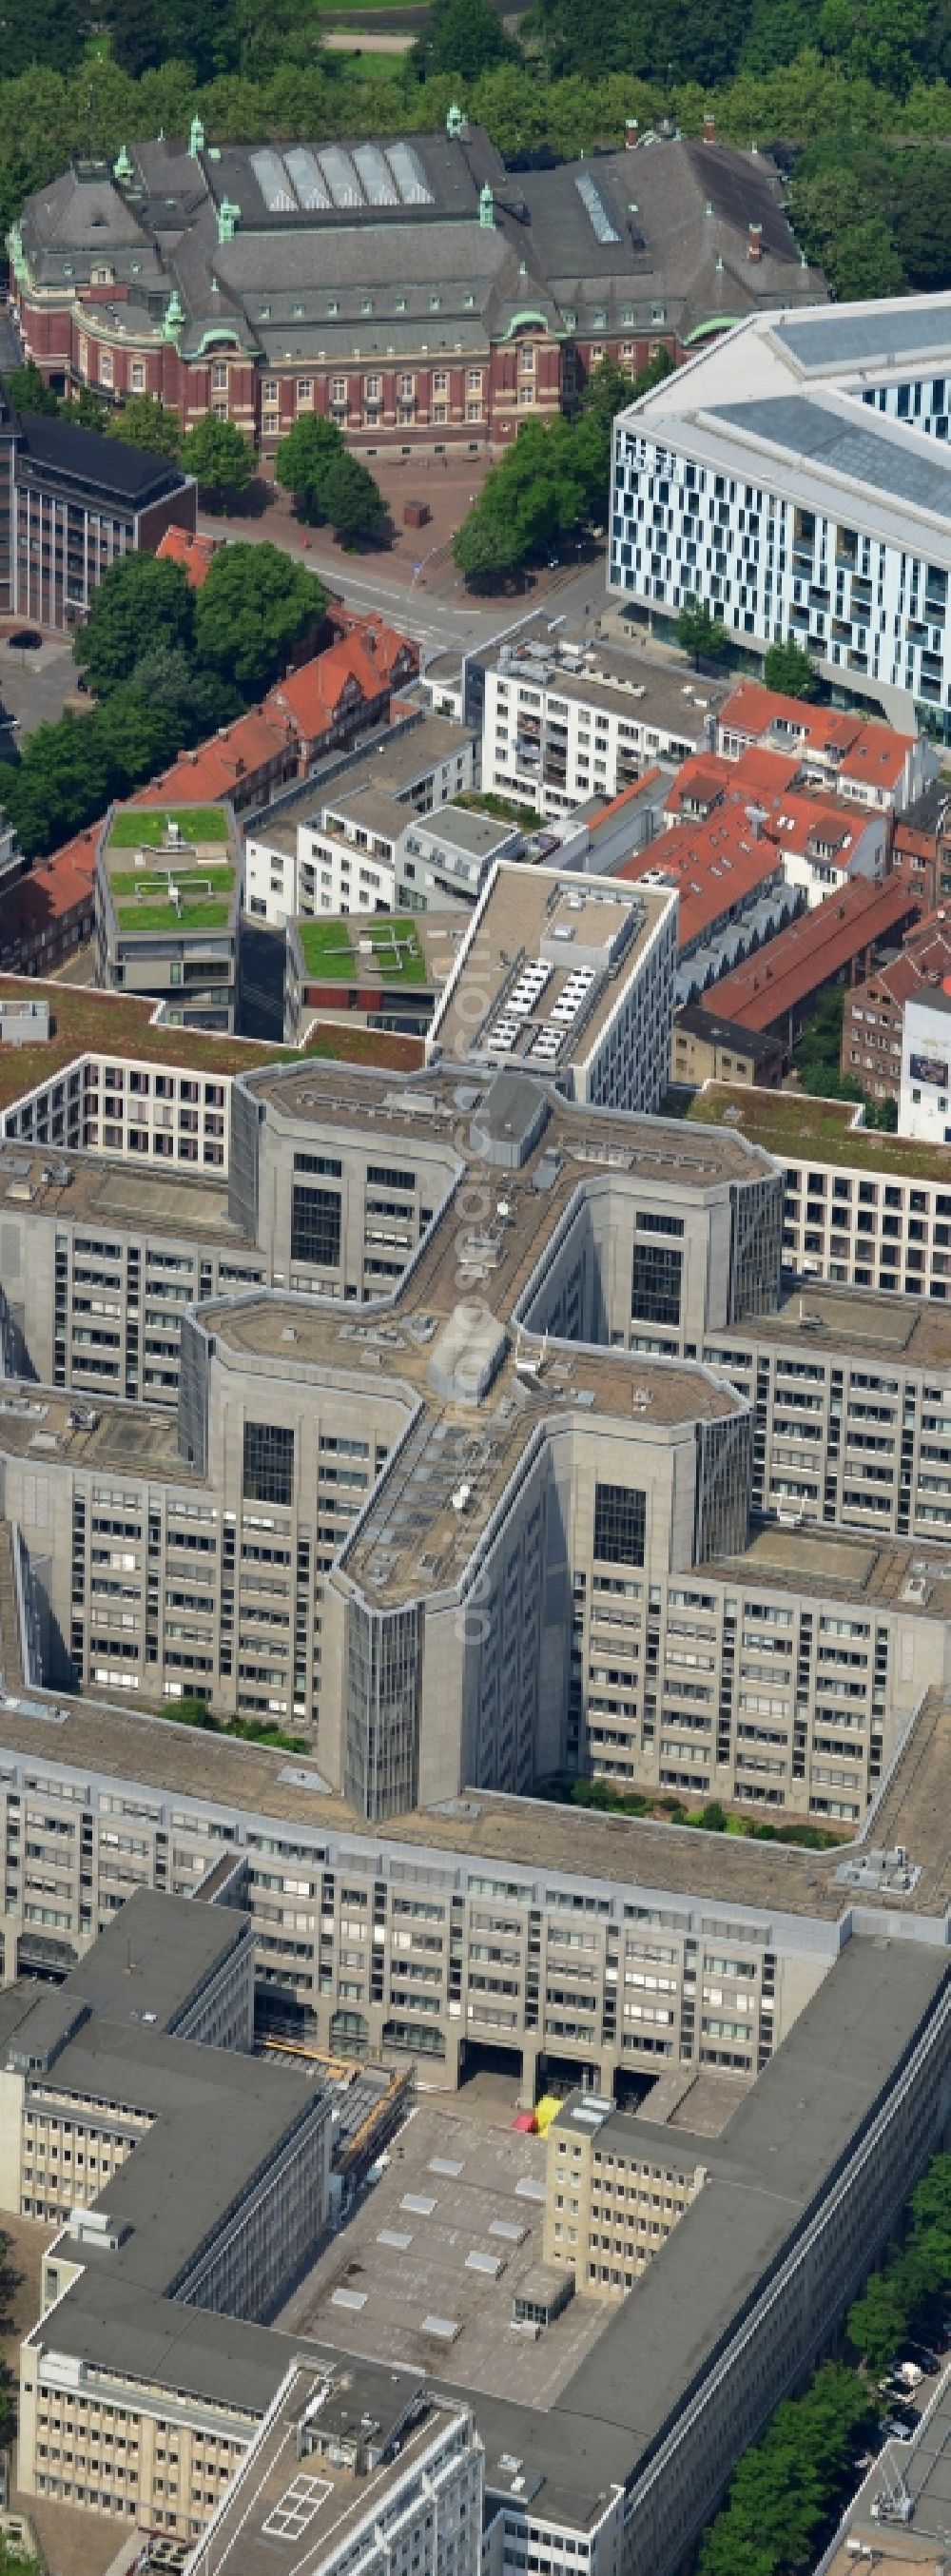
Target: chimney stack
709, 127
755, 245
632, 134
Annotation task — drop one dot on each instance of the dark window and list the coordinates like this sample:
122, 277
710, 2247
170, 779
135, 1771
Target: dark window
268, 1463
648, 1223
326, 1163
315, 1226
619, 1525
655, 1285
387, 1178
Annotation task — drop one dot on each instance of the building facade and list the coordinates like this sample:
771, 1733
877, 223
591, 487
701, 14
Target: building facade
168, 910
414, 291
789, 511
80, 503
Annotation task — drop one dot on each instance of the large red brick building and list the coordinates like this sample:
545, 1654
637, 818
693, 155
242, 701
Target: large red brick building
415, 291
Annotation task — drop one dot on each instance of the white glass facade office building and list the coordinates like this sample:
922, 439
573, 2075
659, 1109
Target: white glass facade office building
752, 479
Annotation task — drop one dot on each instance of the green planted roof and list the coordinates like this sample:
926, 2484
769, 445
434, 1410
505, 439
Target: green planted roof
144, 827
199, 898
330, 949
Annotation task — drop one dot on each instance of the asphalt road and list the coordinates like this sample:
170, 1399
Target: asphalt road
437, 623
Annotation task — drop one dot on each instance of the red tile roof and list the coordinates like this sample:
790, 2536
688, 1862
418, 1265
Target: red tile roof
628, 796
877, 757
925, 959
714, 864
386, 646
184, 546
707, 774
211, 771
310, 697
752, 709
870, 753
720, 858
53, 888
813, 949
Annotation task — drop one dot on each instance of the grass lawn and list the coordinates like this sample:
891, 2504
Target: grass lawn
151, 909
794, 1126
207, 915
145, 826
329, 949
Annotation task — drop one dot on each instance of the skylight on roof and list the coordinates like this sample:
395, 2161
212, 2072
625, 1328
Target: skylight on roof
595, 209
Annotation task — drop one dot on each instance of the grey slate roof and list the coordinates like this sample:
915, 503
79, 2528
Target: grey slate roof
679, 212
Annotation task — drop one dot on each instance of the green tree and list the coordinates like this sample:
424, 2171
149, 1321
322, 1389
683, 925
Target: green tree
867, 262
789, 669
304, 460
140, 603
27, 391
701, 634
84, 410
252, 609
876, 2322
221, 460
199, 701
921, 217
486, 546
145, 423
464, 37
138, 737
61, 783
609, 390
354, 503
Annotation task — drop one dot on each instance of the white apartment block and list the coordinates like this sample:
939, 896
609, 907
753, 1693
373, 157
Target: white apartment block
563, 723
924, 1109
570, 976
752, 480
315, 853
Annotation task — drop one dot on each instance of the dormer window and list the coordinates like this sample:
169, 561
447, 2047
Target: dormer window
102, 276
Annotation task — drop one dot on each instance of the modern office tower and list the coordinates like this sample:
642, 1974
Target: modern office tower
780, 476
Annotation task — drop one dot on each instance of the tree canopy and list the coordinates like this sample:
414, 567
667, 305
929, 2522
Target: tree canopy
464, 38
552, 484
789, 668
139, 598
221, 459
315, 464
701, 634
253, 607
145, 423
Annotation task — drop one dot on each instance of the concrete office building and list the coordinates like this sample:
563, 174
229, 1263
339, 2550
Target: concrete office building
186, 2189
796, 2196
858, 1209
752, 479
167, 911
398, 2489
379, 1507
